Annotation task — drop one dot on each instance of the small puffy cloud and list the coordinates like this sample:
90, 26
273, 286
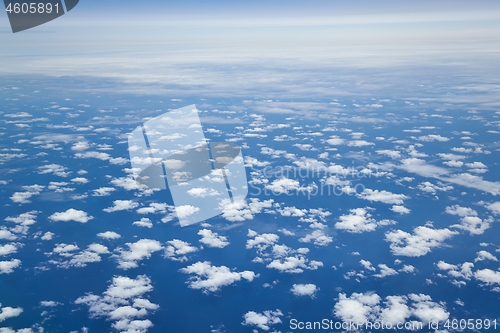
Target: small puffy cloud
71, 215
432, 188
494, 207
212, 278
123, 303
144, 222
418, 244
103, 191
469, 221
140, 250
359, 220
154, 208
400, 209
7, 267
382, 196
25, 219
202, 192
367, 265
385, 271
433, 137
177, 250
212, 239
359, 143
485, 255
80, 180
55, 169
264, 320
241, 210
121, 205
23, 197
304, 289
283, 185
9, 312
47, 236
488, 276
108, 235
318, 237
261, 241
185, 211
7, 249
335, 141
294, 264
390, 153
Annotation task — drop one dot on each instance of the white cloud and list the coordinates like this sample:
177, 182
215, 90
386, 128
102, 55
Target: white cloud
81, 180
367, 265
400, 209
9, 312
317, 237
177, 250
121, 205
241, 210
423, 240
432, 188
262, 241
212, 278
154, 208
212, 239
361, 307
103, 191
108, 235
283, 185
25, 219
47, 236
359, 220
488, 276
390, 153
485, 255
308, 289
144, 222
263, 321
7, 249
382, 196
23, 197
294, 264
140, 250
385, 271
433, 137
494, 207
55, 169
7, 267
186, 211
202, 192
359, 143
469, 221
71, 215
123, 303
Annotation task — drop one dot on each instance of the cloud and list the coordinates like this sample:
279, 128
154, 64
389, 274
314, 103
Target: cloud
108, 235
469, 221
294, 264
144, 222
47, 236
154, 208
140, 250
212, 278
361, 307
177, 249
7, 249
304, 289
9, 312
263, 321
431, 188
202, 192
81, 180
71, 215
382, 196
185, 211
7, 267
212, 239
400, 209
494, 207
102, 157
23, 197
103, 191
317, 237
385, 271
359, 220
123, 303
485, 255
241, 210
433, 137
423, 240
488, 276
55, 169
391, 153
262, 241
359, 143
121, 205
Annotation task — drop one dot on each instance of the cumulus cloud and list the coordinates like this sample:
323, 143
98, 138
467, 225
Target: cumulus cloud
264, 320
308, 289
143, 222
7, 267
241, 210
108, 235
71, 215
177, 250
55, 169
121, 205
154, 208
360, 307
400, 209
24, 219
318, 237
23, 197
123, 304
9, 312
418, 244
185, 211
212, 278
359, 220
485, 255
294, 264
382, 196
103, 191
488, 276
140, 250
469, 221
212, 239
